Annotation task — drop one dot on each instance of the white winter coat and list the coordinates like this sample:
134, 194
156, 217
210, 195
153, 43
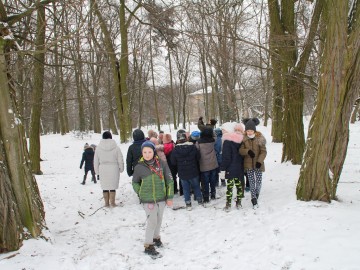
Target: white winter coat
108, 164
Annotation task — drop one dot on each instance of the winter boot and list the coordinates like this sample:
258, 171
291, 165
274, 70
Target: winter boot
157, 242
112, 198
206, 199
254, 202
213, 196
94, 179
238, 203
84, 180
227, 207
150, 250
188, 207
106, 198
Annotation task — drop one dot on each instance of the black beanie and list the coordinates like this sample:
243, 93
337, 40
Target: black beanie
107, 135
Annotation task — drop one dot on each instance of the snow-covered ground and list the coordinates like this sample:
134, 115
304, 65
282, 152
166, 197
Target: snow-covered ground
282, 234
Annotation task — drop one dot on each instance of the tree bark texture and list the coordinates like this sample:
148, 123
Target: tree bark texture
329, 126
20, 203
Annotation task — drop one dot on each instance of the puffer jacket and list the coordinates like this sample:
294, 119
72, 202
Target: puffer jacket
258, 146
232, 161
153, 187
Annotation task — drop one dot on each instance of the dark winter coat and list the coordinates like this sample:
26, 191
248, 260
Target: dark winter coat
186, 158
258, 146
88, 158
153, 187
134, 151
232, 161
206, 145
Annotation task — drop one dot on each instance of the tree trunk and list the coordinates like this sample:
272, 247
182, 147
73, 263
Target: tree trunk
329, 126
39, 59
21, 208
125, 119
172, 90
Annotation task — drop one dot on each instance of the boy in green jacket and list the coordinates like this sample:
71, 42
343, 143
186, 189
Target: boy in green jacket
153, 183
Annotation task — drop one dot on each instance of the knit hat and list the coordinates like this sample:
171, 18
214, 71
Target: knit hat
138, 135
86, 145
251, 123
181, 135
148, 144
107, 135
195, 135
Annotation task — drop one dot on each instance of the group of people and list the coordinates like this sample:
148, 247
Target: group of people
200, 159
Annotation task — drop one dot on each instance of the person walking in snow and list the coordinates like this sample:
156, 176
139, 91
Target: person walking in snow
108, 164
88, 159
134, 151
153, 183
208, 163
186, 158
232, 166
253, 149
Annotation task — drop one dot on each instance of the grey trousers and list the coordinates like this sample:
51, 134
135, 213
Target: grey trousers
154, 214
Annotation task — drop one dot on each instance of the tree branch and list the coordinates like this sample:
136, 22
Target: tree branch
15, 18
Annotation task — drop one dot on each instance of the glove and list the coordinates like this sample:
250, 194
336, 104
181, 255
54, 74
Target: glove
258, 165
200, 118
251, 153
222, 174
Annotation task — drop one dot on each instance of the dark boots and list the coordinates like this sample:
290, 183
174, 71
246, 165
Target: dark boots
254, 202
150, 250
157, 242
84, 180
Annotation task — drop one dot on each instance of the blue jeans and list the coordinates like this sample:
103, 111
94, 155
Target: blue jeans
209, 178
195, 185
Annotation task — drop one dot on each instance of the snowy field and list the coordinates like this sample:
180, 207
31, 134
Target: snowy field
282, 234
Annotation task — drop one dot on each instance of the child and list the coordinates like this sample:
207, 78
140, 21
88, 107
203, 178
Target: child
186, 157
88, 158
254, 152
232, 166
154, 185
208, 162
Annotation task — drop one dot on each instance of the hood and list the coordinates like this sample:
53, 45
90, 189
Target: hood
107, 144
234, 137
138, 135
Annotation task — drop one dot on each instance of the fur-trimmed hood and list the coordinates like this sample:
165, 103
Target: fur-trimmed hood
233, 136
